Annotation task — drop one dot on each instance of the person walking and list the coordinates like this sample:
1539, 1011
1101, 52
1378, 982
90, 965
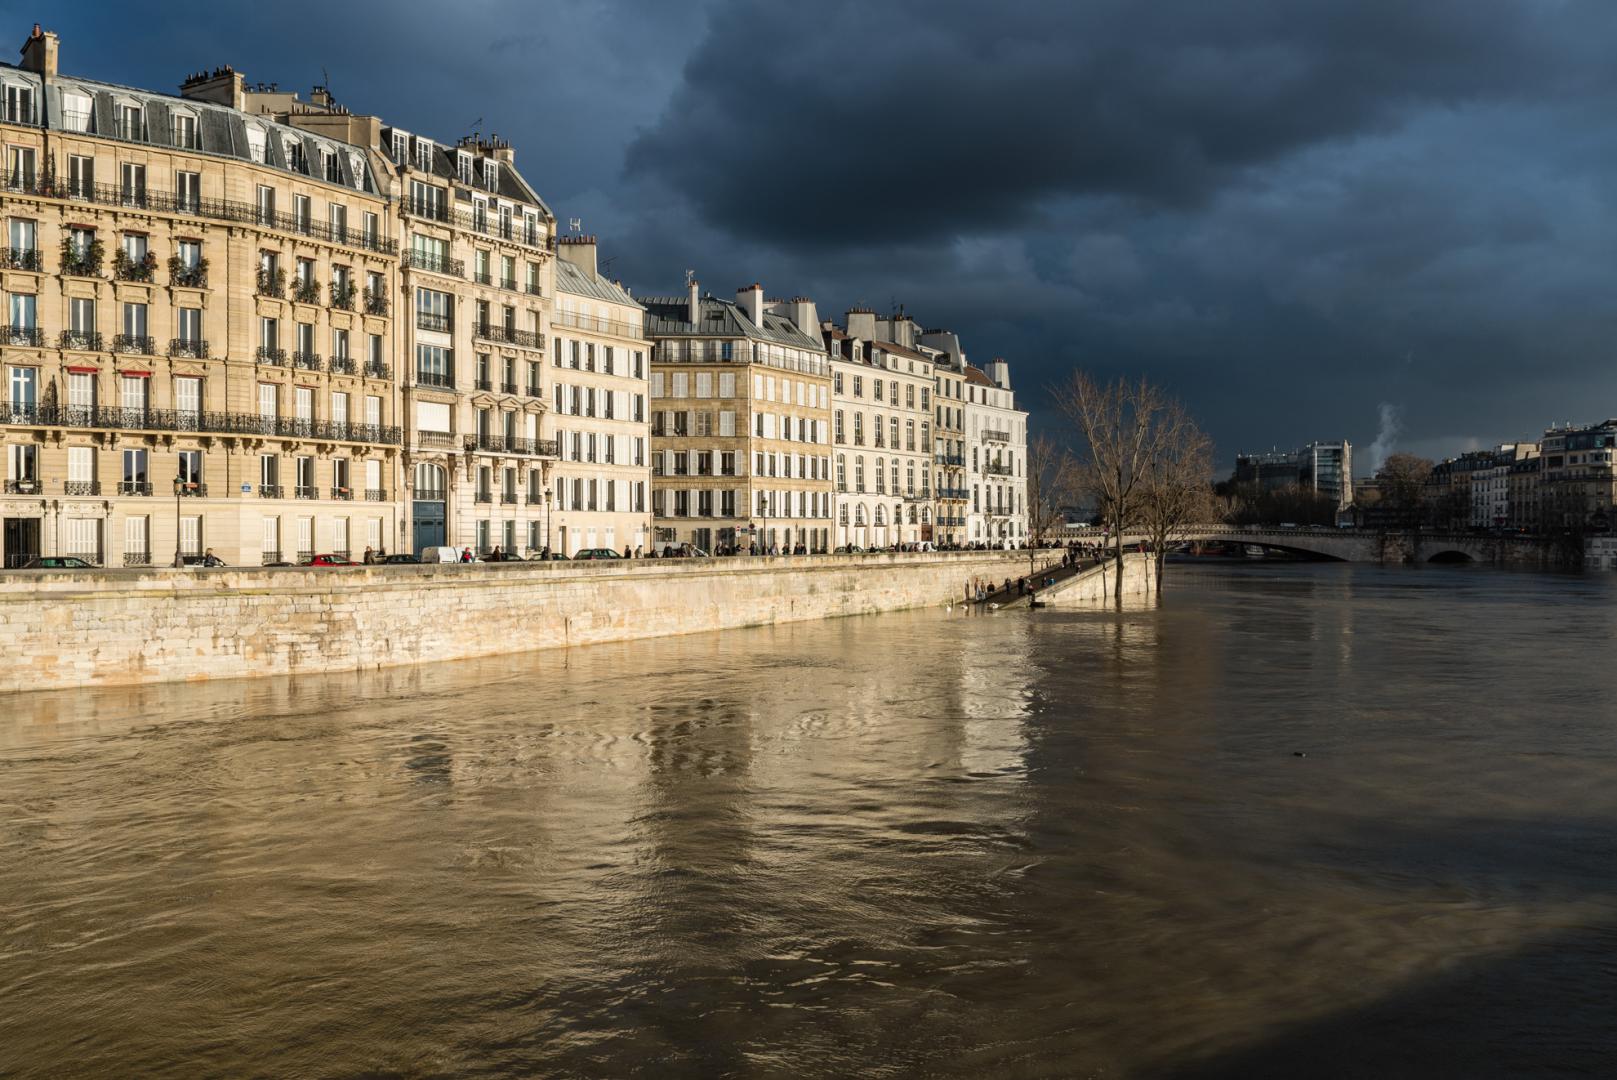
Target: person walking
370, 555
466, 555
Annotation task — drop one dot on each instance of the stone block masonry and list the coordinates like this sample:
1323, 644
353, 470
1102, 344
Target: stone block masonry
122, 627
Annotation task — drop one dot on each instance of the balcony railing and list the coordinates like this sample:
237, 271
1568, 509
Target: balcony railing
306, 291
113, 418
268, 354
427, 320
192, 347
134, 487
342, 296
508, 283
508, 388
527, 339
949, 459
126, 269
141, 344
953, 493
437, 440
598, 325
438, 264
485, 384
270, 283
375, 303
508, 498
482, 277
137, 558
483, 497
342, 493
194, 491
996, 468
229, 210
499, 444
342, 365
22, 335
376, 370
435, 378
271, 557
81, 487
303, 491
189, 277
80, 263
376, 495
23, 487
533, 390
270, 491
22, 259
992, 435
82, 340
308, 361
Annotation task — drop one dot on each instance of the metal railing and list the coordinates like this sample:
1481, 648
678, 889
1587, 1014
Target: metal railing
81, 487
527, 339
114, 418
435, 378
82, 340
270, 491
346, 494
427, 320
195, 349
534, 391
377, 370
170, 202
141, 344
992, 435
134, 487
949, 459
499, 444
22, 259
304, 491
508, 388
375, 303
342, 296
137, 558
23, 487
996, 468
194, 491
597, 324
306, 292
508, 498
438, 264
376, 495
484, 384
342, 365
483, 497
189, 277
270, 557
270, 355
953, 493
22, 335
308, 361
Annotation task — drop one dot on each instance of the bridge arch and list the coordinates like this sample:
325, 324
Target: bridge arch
1451, 557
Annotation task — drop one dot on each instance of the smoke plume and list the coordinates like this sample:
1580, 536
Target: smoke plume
1391, 424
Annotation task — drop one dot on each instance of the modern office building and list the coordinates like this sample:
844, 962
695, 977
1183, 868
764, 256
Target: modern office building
1323, 467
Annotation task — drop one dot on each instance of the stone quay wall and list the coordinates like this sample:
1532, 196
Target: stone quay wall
121, 627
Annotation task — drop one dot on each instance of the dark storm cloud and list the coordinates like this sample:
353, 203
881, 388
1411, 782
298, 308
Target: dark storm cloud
852, 122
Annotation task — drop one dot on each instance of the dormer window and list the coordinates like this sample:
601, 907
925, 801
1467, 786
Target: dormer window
131, 123
423, 154
463, 166
491, 174
329, 167
295, 159
19, 104
256, 142
356, 169
401, 147
77, 113
185, 131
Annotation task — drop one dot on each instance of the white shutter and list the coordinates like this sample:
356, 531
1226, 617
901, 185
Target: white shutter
272, 534
266, 400
135, 536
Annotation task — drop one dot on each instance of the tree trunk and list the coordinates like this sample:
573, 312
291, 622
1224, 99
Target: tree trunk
1159, 558
1117, 586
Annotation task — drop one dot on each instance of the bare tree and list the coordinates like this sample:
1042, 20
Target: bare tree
1047, 482
1403, 479
1117, 424
1176, 486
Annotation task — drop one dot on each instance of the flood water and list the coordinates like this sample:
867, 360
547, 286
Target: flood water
1023, 844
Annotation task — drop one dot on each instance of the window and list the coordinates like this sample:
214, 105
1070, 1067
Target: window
80, 176
256, 142
135, 479
132, 184
266, 205
268, 401
129, 122
81, 390
185, 131
188, 397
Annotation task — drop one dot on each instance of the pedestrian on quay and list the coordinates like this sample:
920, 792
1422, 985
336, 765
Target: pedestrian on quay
466, 555
370, 555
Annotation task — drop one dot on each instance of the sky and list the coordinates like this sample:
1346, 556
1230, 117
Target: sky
1377, 220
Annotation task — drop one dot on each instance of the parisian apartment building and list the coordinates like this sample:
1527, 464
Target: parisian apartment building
740, 423
199, 351
881, 427
996, 457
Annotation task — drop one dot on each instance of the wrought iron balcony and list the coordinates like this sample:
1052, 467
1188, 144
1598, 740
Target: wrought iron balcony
113, 418
435, 378
271, 283
527, 339
508, 498
375, 303
992, 435
482, 277
949, 459
195, 348
499, 444
342, 296
346, 494
194, 491
22, 259
533, 390
508, 388
342, 365
141, 344
126, 269
188, 277
81, 487
597, 324
959, 494
22, 335
376, 370
270, 491
23, 487
137, 558
134, 487
483, 497
997, 468
308, 361
426, 320
303, 491
306, 291
376, 495
268, 354
271, 557
81, 263
508, 283
438, 264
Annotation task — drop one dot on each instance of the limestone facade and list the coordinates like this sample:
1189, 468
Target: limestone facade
881, 426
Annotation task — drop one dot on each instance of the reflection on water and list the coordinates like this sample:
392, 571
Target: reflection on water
1026, 844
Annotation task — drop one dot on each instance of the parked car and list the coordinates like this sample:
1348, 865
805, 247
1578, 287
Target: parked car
56, 562
851, 549
438, 555
547, 556
396, 560
329, 560
499, 556
598, 553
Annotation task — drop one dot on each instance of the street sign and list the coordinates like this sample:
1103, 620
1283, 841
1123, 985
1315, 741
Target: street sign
247, 489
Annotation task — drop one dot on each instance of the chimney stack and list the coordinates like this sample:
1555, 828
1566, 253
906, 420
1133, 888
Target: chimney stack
801, 311
578, 250
999, 373
751, 301
862, 324
40, 52
222, 86
696, 302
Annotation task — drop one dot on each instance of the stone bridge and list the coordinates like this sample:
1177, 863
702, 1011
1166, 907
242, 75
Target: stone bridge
1361, 545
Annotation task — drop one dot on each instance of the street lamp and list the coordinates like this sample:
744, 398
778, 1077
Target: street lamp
179, 485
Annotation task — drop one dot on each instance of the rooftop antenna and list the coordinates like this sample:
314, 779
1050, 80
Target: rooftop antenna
575, 225
606, 266
325, 78
690, 278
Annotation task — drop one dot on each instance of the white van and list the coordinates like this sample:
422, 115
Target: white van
438, 555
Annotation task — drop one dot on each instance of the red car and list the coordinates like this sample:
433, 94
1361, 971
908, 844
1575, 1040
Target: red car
329, 560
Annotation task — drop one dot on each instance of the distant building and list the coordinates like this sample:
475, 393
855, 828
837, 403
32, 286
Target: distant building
1323, 467
1578, 478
